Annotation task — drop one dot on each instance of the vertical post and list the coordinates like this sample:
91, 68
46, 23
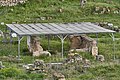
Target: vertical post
113, 38
18, 47
5, 35
62, 41
48, 42
62, 38
97, 38
10, 36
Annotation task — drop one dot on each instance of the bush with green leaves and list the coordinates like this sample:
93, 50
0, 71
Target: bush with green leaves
15, 73
9, 72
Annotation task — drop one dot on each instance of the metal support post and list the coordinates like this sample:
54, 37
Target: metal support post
97, 38
113, 45
113, 38
11, 36
18, 47
62, 38
48, 42
19, 40
62, 41
5, 35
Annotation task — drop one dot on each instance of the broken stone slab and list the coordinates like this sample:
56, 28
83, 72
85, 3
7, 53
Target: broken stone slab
60, 10
94, 51
43, 18
100, 58
28, 66
41, 53
58, 76
54, 65
87, 62
79, 50
46, 53
94, 48
39, 63
83, 2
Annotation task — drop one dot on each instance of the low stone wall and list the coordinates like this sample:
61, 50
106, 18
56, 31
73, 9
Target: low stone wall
11, 2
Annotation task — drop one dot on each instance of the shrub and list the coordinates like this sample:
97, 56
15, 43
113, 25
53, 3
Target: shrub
9, 72
36, 76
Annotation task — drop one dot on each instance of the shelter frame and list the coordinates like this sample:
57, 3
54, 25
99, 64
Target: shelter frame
62, 30
62, 38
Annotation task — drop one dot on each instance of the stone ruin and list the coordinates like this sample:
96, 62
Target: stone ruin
56, 71
100, 58
83, 2
109, 26
105, 10
78, 59
38, 66
11, 2
58, 76
34, 46
94, 49
81, 43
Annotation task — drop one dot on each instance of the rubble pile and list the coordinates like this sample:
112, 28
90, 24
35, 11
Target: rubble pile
108, 26
37, 67
106, 10
61, 70
72, 58
58, 76
74, 63
75, 58
11, 2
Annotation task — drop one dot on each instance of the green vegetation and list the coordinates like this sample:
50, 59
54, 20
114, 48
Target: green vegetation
34, 10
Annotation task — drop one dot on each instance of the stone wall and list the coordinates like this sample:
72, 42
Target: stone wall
82, 43
11, 2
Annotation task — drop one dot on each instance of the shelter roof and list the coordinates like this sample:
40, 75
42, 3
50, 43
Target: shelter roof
57, 28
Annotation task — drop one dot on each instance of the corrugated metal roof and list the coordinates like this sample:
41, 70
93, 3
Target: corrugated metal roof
57, 28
